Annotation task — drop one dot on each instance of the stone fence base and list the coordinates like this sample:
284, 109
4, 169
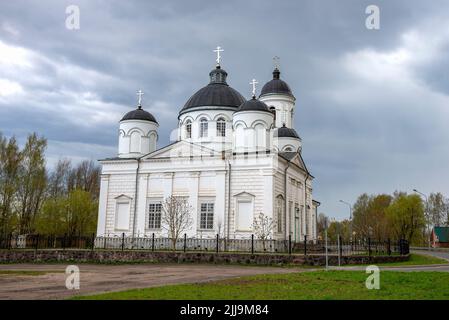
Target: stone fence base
115, 257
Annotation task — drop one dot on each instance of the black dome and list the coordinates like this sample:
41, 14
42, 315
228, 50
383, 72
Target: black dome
286, 132
216, 93
253, 105
139, 114
276, 85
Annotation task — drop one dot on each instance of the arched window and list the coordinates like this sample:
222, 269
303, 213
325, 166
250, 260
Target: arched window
203, 127
135, 142
221, 127
188, 129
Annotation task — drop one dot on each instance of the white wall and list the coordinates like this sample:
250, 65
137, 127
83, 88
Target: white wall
136, 138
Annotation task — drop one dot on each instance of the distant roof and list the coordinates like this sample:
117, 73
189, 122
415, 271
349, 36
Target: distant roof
442, 233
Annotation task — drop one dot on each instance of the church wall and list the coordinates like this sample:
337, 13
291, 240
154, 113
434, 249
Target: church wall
119, 185
259, 179
284, 106
213, 140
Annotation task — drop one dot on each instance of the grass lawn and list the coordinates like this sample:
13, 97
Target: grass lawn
415, 259
306, 285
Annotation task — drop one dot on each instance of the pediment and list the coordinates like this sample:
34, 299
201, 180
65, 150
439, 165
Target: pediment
123, 197
244, 194
182, 149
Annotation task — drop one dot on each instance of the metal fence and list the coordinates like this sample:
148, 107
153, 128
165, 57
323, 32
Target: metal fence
217, 244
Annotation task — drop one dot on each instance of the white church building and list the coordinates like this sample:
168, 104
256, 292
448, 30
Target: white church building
233, 159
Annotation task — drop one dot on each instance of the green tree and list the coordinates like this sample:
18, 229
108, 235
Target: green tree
32, 181
369, 217
360, 216
75, 214
10, 158
339, 228
378, 221
438, 209
406, 217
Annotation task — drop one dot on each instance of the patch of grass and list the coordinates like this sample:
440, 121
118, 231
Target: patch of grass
26, 272
317, 285
414, 260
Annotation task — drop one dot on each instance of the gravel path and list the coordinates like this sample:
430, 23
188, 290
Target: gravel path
106, 278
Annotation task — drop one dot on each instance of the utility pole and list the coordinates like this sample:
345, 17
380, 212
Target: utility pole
350, 218
427, 213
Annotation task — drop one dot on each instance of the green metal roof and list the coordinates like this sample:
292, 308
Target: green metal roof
442, 233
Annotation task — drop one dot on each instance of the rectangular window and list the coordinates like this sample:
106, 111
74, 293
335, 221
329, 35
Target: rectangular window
245, 216
280, 211
207, 216
122, 215
154, 215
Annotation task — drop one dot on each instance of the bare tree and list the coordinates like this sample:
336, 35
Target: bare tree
176, 217
263, 227
32, 182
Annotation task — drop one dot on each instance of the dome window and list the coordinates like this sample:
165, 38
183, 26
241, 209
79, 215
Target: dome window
203, 127
189, 129
221, 127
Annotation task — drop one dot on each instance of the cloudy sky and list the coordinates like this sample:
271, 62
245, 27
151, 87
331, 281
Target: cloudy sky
372, 105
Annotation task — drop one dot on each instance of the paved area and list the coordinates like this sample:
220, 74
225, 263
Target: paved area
106, 278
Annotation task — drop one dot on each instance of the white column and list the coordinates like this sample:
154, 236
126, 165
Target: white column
220, 204
168, 184
102, 205
193, 199
141, 205
268, 192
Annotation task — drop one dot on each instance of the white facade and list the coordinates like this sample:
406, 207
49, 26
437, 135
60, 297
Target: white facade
227, 164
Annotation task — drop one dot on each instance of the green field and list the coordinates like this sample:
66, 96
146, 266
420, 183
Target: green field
340, 285
415, 259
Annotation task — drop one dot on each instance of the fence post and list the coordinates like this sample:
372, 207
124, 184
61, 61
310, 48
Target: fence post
93, 241
305, 245
123, 241
369, 247
63, 241
217, 242
252, 244
341, 245
289, 244
185, 242
389, 247
339, 249
152, 242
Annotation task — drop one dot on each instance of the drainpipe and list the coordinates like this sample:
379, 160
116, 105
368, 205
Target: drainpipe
229, 201
305, 202
316, 220
285, 200
136, 195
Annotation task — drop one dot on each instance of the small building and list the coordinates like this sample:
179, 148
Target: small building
440, 237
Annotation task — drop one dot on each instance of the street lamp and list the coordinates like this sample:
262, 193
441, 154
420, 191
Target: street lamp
427, 214
350, 218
